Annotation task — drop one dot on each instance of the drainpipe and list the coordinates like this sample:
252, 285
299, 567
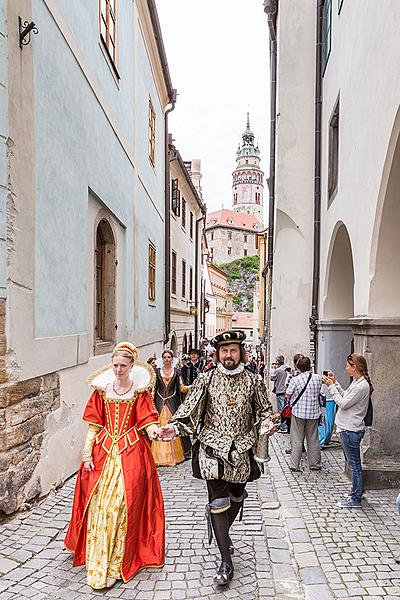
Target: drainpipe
317, 181
196, 280
167, 226
271, 9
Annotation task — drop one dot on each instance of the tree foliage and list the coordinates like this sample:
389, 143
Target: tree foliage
245, 265
242, 274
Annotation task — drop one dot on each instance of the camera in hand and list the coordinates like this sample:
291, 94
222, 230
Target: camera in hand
326, 373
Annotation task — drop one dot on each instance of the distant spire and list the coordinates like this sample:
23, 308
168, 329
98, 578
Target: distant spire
247, 146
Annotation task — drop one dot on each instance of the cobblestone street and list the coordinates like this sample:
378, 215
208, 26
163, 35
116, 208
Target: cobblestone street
293, 543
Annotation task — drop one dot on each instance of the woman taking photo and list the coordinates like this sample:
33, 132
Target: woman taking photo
352, 408
168, 392
117, 523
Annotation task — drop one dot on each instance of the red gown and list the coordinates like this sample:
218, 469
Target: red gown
122, 423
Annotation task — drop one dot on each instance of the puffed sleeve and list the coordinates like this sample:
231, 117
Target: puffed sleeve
262, 405
146, 412
189, 413
94, 413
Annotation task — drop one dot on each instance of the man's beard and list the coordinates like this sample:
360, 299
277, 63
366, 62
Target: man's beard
230, 364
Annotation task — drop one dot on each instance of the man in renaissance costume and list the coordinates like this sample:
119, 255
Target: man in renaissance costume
224, 411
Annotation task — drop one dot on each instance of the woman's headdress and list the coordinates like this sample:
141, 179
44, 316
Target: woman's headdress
125, 348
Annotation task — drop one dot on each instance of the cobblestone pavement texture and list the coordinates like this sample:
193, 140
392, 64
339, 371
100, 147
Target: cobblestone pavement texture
293, 542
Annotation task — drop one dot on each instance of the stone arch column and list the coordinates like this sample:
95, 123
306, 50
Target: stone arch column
378, 335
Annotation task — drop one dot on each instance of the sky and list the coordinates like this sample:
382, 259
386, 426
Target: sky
218, 57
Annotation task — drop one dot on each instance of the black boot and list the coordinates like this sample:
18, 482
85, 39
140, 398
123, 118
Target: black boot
224, 574
231, 547
235, 508
220, 525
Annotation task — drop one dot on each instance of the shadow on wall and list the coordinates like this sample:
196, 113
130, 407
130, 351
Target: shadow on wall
385, 265
339, 299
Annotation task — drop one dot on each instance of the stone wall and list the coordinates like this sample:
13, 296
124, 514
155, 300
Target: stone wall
224, 238
24, 407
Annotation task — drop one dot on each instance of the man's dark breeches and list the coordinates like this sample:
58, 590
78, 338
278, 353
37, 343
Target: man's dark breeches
218, 489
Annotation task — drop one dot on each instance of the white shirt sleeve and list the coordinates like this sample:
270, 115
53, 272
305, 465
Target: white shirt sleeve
350, 397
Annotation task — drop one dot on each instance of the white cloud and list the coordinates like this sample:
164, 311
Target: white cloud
218, 56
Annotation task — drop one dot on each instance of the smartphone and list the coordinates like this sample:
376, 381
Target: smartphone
325, 373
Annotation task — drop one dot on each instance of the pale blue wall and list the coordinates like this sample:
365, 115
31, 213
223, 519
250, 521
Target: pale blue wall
82, 17
76, 149
153, 177
150, 230
3, 147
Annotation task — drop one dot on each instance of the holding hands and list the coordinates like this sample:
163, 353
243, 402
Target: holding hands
164, 434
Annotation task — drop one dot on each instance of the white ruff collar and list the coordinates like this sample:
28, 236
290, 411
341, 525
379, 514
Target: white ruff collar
225, 371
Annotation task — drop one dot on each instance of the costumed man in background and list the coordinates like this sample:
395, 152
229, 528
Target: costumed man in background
193, 367
224, 410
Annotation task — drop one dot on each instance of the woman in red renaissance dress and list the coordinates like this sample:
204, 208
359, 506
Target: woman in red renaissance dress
117, 525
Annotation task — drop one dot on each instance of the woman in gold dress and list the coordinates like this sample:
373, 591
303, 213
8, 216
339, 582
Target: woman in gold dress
117, 523
168, 395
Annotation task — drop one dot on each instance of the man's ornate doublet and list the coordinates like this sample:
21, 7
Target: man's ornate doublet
233, 407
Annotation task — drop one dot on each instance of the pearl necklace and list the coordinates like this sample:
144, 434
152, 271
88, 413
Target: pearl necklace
123, 393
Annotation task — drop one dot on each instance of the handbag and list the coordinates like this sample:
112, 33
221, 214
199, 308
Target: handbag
369, 416
286, 412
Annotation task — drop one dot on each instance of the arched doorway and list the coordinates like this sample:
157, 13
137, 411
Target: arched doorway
104, 285
339, 299
335, 331
174, 344
184, 344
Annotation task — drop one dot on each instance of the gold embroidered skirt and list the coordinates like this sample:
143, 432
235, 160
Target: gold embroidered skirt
167, 454
106, 526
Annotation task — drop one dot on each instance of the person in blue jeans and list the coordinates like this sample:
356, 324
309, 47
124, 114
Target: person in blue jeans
279, 373
352, 408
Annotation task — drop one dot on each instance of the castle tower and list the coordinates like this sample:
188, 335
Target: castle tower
248, 179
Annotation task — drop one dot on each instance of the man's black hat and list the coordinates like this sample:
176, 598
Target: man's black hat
228, 337
195, 350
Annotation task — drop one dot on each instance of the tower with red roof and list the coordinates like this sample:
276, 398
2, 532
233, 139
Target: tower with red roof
248, 178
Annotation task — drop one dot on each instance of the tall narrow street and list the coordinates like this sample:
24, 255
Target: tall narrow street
293, 543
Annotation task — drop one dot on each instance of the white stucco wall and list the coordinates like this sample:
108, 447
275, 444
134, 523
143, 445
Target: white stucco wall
363, 70
182, 322
293, 241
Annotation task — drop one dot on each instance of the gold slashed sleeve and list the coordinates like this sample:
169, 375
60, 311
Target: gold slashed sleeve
90, 437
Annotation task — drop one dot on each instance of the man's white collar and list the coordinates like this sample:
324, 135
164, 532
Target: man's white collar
225, 371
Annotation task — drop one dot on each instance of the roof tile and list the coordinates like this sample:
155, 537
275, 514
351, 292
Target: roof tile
226, 218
